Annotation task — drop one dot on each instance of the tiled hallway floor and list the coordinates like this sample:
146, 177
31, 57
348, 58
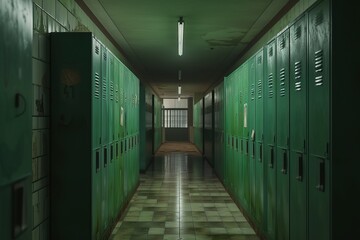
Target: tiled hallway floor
180, 197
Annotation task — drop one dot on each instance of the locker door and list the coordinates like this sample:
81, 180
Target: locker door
96, 142
241, 134
251, 136
259, 138
116, 124
245, 117
227, 133
236, 133
15, 119
283, 138
105, 136
270, 140
111, 167
319, 105
298, 129
121, 131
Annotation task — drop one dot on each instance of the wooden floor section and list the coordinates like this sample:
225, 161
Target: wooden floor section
184, 147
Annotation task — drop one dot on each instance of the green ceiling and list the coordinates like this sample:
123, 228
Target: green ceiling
216, 32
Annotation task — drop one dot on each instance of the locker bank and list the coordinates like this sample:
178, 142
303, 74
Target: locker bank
264, 91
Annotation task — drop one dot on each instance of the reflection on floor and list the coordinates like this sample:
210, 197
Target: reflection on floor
180, 197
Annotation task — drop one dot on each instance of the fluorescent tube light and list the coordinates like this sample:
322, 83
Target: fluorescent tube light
179, 89
181, 36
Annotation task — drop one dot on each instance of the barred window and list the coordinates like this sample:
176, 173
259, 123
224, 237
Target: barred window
175, 117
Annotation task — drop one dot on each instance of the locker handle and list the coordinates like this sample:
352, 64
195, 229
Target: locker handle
19, 208
271, 164
237, 144
18, 97
247, 147
261, 153
253, 149
105, 157
97, 161
284, 164
299, 177
321, 184
111, 153
241, 144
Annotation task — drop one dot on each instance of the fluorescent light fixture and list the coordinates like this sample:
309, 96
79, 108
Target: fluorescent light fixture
179, 89
179, 98
179, 75
181, 36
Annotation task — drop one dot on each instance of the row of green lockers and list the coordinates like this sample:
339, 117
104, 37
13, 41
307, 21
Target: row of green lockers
271, 131
94, 137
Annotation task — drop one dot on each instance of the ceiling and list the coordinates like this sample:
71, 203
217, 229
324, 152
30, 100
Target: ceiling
215, 35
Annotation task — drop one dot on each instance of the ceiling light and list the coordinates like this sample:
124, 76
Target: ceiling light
179, 98
179, 89
179, 75
181, 36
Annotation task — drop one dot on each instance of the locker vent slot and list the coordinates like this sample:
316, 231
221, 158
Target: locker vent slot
319, 19
297, 33
97, 85
252, 91
259, 60
282, 43
282, 82
97, 50
270, 84
105, 56
298, 76
111, 90
104, 89
318, 81
259, 88
319, 61
271, 51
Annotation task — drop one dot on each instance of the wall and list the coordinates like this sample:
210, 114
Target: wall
50, 16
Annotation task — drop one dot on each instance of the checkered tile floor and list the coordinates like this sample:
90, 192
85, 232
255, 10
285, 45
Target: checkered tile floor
180, 197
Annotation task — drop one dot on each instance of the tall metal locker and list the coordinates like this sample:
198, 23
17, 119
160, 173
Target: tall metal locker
237, 127
76, 169
270, 139
245, 138
105, 139
259, 137
240, 106
15, 119
298, 163
112, 143
251, 134
319, 122
96, 173
282, 135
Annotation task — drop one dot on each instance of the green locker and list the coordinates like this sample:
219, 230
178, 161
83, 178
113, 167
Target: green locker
96, 139
76, 96
227, 137
251, 134
245, 136
121, 131
116, 124
282, 136
298, 129
105, 137
112, 143
270, 140
240, 105
259, 137
15, 119
319, 122
236, 132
